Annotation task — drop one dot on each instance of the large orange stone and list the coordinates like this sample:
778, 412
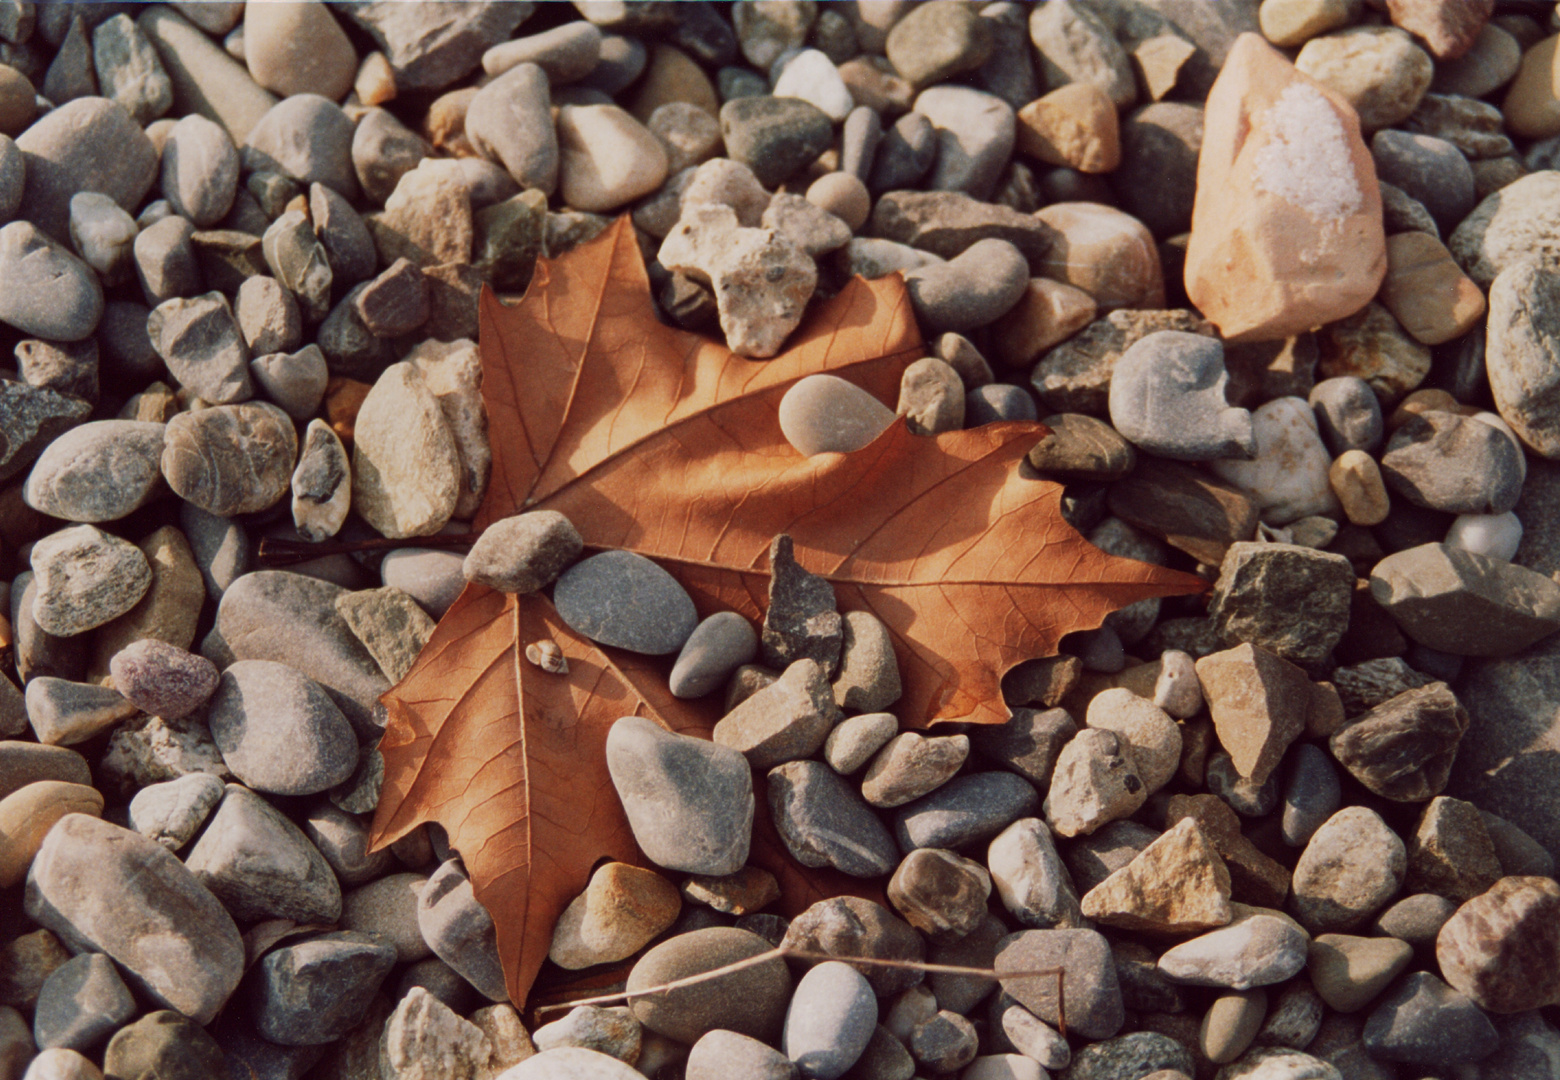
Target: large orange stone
1286, 227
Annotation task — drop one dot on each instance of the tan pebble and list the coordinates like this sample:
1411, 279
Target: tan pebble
375, 82
1231, 1024
1348, 971
1532, 105
1046, 315
298, 48
1423, 401
1178, 884
1294, 22
844, 196
672, 75
621, 909
1427, 291
1108, 254
26, 816
1074, 125
1160, 60
1356, 480
606, 158
1286, 227
18, 101
1378, 70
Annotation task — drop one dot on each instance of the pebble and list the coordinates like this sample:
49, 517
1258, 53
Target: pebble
1230, 1025
297, 258
606, 157
102, 235
1454, 463
114, 891
1095, 781
1429, 170
1075, 45
279, 731
1531, 106
1349, 972
1089, 984
1498, 948
823, 414
1520, 330
1104, 252
689, 802
625, 600
1350, 868
720, 1054
299, 48
971, 290
1258, 702
84, 578
230, 459
1378, 70
201, 342
1312, 794
260, 865
1255, 949
172, 812
1463, 603
1426, 1022
523, 553
321, 484
291, 619
774, 136
1322, 252
830, 1019
422, 1029
941, 894
51, 293
1167, 395
761, 279
27, 815
571, 1063
163, 1044
459, 930
1288, 600
90, 144
944, 1042
1348, 414
853, 741
1286, 478
910, 765
1175, 885
1074, 125
752, 1001
405, 465
824, 821
317, 990
612, 1031
785, 721
307, 137
163, 679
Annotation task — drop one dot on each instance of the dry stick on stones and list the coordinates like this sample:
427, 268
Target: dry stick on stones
278, 551
784, 953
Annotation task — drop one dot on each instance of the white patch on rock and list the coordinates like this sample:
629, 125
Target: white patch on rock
1306, 160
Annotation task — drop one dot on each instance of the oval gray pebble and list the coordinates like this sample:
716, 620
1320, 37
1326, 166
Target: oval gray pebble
717, 647
279, 731
622, 599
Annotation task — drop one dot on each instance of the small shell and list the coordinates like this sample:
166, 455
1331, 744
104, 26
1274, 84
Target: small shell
546, 655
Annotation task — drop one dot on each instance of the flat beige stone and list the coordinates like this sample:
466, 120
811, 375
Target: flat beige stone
27, 815
1286, 227
1426, 290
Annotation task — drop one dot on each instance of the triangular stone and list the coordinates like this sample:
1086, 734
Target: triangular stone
1178, 884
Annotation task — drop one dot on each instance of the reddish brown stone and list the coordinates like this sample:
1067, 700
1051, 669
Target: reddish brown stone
1447, 27
1502, 949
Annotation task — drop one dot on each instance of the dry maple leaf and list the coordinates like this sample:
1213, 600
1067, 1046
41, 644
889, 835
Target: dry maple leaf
665, 443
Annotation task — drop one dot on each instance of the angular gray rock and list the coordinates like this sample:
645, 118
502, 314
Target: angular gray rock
1465, 604
261, 866
459, 930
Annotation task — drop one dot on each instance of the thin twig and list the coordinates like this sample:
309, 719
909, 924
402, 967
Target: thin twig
780, 952
279, 551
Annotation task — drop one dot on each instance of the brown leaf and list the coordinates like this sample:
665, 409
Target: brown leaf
663, 442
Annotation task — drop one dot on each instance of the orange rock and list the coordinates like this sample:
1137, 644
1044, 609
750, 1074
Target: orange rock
343, 398
1047, 314
1286, 227
1074, 125
1532, 106
1427, 291
1106, 253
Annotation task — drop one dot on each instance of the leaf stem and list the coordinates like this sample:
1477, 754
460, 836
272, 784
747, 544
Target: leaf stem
277, 551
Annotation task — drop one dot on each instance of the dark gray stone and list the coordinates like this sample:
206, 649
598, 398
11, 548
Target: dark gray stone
1348, 414
1137, 1055
904, 155
1430, 170
775, 137
1454, 463
1156, 181
1312, 794
966, 810
622, 599
49, 291
317, 990
30, 419
1292, 601
824, 821
164, 1045
801, 621
850, 927
80, 1004
1425, 1022
200, 341
947, 223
